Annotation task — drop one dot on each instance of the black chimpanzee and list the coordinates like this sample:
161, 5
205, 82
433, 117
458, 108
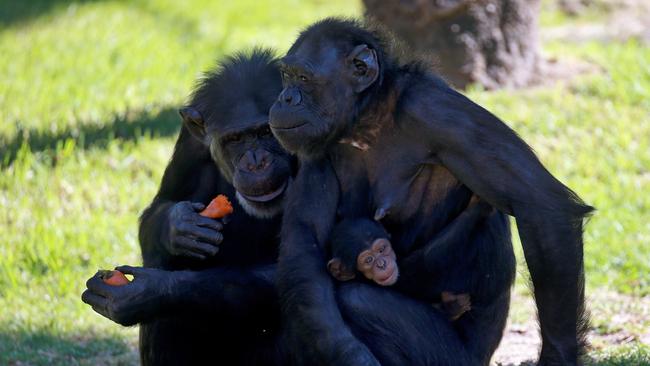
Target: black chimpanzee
228, 118
442, 271
383, 136
225, 147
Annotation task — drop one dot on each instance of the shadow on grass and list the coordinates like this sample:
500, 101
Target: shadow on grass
42, 348
164, 124
20, 11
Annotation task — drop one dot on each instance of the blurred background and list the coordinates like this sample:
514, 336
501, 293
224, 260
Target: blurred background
88, 98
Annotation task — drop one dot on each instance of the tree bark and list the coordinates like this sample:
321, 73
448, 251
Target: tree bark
490, 42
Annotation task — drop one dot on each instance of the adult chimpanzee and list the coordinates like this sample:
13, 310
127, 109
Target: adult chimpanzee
365, 124
225, 147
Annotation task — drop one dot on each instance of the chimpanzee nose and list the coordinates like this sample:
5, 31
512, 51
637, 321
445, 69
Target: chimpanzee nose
381, 263
257, 160
291, 97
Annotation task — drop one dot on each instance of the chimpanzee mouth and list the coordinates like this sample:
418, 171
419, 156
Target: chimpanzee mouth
266, 197
286, 128
390, 279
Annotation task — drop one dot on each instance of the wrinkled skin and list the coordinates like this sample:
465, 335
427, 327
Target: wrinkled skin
148, 290
191, 234
379, 263
376, 261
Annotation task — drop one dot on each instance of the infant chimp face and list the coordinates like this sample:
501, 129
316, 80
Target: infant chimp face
378, 263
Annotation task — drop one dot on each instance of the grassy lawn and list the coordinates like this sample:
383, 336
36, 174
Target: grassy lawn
88, 93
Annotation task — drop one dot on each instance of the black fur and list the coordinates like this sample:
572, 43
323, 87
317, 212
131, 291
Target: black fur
366, 124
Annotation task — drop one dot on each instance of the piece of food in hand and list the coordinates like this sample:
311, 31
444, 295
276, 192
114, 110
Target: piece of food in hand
218, 208
113, 278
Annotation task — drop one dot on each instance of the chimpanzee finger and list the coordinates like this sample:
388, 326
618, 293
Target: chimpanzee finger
198, 247
93, 299
102, 311
198, 206
205, 235
96, 284
134, 271
191, 254
209, 223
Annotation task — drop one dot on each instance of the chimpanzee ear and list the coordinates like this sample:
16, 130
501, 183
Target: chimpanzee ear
365, 67
338, 270
194, 122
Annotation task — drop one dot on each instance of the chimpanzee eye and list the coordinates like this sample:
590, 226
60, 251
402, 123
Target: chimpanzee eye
382, 249
231, 138
368, 259
304, 78
285, 76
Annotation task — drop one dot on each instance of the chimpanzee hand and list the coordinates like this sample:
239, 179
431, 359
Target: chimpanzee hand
144, 298
191, 234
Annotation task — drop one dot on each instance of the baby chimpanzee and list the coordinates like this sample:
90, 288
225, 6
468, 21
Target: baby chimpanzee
362, 246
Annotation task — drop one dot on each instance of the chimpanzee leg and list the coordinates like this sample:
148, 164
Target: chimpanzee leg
481, 329
492, 276
400, 330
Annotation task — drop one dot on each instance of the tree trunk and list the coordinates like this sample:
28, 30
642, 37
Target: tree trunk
490, 42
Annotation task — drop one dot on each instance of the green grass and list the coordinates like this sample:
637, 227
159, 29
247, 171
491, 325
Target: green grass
88, 93
594, 134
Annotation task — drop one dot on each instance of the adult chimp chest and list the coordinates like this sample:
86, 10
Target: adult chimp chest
411, 193
247, 240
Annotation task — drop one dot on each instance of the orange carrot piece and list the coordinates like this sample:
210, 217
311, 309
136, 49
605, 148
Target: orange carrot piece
219, 207
114, 278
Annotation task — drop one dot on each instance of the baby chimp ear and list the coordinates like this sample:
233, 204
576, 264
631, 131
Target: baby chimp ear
193, 121
339, 270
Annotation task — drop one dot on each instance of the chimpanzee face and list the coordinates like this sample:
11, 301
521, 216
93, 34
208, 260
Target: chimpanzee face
229, 114
247, 154
375, 259
260, 169
321, 87
378, 263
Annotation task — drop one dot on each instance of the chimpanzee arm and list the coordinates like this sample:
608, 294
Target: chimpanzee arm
435, 254
190, 175
488, 157
153, 232
232, 290
219, 293
305, 288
